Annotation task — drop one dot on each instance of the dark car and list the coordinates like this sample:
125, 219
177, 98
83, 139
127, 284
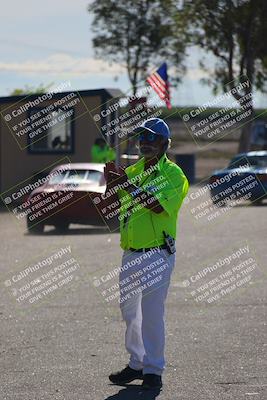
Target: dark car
244, 178
67, 197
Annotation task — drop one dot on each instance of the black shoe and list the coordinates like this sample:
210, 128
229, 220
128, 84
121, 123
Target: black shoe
125, 376
152, 381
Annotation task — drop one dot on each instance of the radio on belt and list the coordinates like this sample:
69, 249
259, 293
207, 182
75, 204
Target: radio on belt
170, 243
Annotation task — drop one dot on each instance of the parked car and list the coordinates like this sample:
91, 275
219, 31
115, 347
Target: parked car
67, 197
245, 177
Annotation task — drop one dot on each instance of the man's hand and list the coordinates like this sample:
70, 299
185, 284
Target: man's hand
110, 166
119, 176
113, 175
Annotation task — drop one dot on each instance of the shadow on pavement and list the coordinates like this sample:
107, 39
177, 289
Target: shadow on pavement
134, 392
73, 232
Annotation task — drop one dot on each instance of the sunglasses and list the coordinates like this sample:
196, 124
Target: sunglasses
148, 137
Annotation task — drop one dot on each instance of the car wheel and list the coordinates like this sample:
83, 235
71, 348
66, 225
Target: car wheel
35, 229
62, 226
257, 202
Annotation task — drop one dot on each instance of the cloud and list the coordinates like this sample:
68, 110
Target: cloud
62, 63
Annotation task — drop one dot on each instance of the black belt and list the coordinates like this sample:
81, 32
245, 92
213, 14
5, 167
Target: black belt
163, 246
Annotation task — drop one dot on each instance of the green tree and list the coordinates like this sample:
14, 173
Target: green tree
31, 90
137, 34
235, 32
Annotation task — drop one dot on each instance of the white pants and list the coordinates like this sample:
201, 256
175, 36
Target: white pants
144, 282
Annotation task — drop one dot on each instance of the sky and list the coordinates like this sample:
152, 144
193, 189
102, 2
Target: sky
51, 41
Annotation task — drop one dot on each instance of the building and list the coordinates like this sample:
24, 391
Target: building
42, 130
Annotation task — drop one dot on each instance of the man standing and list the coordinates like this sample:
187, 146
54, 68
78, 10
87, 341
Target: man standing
151, 193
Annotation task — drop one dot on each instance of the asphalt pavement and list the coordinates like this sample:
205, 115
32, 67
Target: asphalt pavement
61, 341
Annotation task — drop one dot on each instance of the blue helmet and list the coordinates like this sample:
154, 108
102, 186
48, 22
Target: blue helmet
156, 126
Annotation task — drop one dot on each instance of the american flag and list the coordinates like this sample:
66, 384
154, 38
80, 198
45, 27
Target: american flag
159, 82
